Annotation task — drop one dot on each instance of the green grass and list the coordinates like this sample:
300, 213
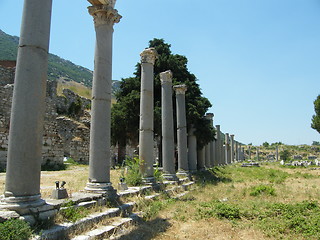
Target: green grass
15, 229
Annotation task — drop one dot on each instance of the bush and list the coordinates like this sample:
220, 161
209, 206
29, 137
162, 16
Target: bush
262, 189
15, 229
72, 213
133, 176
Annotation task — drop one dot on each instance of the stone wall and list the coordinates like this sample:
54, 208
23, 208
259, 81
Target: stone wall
63, 136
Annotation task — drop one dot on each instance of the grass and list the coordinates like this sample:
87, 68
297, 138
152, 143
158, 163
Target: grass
77, 88
269, 202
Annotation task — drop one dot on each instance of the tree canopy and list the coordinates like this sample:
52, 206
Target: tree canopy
125, 113
315, 124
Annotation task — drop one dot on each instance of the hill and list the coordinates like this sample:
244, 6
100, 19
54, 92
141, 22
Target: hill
58, 68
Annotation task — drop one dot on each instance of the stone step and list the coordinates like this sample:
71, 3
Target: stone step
116, 218
106, 231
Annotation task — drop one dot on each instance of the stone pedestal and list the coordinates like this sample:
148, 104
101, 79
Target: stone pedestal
169, 172
192, 150
60, 193
181, 129
22, 188
105, 16
146, 142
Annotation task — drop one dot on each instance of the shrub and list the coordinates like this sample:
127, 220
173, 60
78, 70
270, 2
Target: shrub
262, 189
133, 176
15, 229
72, 213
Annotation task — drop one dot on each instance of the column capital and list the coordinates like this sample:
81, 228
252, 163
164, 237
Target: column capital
166, 77
103, 2
104, 13
149, 55
209, 116
180, 89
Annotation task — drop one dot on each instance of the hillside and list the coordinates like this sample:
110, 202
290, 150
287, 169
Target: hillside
58, 68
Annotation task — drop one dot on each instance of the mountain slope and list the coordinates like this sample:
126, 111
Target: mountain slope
57, 67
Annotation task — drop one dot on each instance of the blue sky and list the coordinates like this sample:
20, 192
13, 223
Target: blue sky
257, 61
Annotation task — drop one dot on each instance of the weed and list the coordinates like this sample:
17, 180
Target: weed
262, 189
15, 229
133, 176
72, 213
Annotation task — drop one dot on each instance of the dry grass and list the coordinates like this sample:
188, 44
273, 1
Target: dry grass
78, 88
76, 177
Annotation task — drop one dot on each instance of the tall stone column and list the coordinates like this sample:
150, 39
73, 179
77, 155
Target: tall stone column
207, 155
22, 186
104, 16
167, 127
146, 142
227, 148
236, 151
243, 154
192, 150
277, 153
183, 167
218, 147
257, 154
210, 145
249, 153
201, 158
231, 148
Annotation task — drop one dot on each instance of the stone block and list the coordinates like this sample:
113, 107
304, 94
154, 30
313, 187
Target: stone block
6, 215
60, 193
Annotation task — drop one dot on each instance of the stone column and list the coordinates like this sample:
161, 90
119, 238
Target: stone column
249, 153
236, 151
218, 147
207, 155
277, 153
232, 148
167, 127
210, 116
201, 158
192, 150
257, 154
227, 148
148, 57
104, 16
22, 186
183, 167
243, 154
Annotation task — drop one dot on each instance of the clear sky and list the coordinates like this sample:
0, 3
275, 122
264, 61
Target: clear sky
257, 61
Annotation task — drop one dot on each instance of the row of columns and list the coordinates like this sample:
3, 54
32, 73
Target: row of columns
22, 189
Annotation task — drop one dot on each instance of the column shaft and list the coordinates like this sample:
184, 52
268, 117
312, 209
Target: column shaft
192, 150
27, 115
167, 126
181, 128
100, 131
146, 140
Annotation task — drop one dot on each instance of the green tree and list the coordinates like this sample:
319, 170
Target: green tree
315, 124
284, 155
265, 144
125, 113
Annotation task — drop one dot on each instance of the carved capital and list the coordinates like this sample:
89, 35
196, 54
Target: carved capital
166, 77
110, 3
180, 89
104, 14
209, 116
149, 55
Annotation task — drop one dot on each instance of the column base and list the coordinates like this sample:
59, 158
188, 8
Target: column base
30, 208
170, 177
183, 174
149, 180
102, 188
